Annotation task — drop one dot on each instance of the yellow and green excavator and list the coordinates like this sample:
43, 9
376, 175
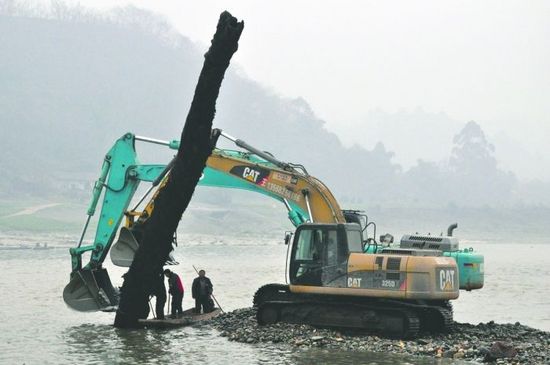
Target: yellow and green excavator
336, 276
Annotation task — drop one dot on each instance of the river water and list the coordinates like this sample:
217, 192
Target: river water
37, 328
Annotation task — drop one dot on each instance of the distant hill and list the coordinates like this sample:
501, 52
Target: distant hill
71, 85
69, 89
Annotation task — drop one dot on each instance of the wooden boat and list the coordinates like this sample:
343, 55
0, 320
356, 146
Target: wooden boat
187, 318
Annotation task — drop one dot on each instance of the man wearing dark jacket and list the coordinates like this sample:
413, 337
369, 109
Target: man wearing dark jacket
201, 290
175, 288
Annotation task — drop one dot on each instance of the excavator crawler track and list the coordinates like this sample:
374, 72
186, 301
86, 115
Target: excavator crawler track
270, 292
392, 318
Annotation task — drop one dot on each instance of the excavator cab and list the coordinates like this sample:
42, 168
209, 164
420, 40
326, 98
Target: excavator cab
320, 252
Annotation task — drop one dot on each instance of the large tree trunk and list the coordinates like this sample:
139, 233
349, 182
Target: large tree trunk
171, 202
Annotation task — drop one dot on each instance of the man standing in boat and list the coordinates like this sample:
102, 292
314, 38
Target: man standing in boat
175, 288
201, 291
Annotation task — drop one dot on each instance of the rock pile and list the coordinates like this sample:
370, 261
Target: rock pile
502, 343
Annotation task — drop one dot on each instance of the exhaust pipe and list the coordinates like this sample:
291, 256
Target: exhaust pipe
451, 228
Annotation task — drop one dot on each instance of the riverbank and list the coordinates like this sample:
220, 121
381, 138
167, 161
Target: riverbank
503, 343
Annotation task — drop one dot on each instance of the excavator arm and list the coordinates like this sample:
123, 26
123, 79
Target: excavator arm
306, 198
120, 176
89, 287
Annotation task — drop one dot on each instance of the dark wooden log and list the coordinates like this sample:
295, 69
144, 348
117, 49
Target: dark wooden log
197, 143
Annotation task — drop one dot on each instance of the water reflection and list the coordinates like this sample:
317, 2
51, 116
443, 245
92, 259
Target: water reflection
148, 346
90, 343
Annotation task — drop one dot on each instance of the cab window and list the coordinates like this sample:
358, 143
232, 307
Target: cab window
304, 251
355, 243
313, 249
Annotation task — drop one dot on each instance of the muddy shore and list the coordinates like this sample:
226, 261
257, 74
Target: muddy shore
484, 342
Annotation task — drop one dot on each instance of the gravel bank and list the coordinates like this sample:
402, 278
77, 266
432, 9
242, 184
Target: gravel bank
482, 342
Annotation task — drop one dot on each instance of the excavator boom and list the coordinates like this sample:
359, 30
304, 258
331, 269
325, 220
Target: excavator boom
89, 289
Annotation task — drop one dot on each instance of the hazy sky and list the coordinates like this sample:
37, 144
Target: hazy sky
482, 60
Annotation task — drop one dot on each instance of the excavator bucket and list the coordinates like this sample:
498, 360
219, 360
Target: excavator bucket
123, 251
91, 290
